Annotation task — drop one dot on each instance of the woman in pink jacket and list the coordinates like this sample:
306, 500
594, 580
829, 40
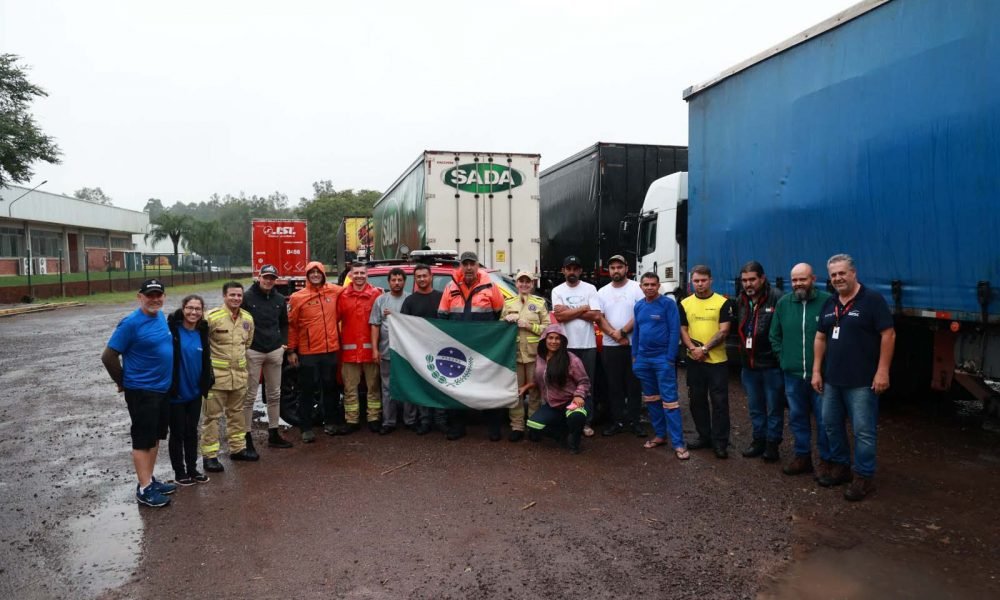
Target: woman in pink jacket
563, 384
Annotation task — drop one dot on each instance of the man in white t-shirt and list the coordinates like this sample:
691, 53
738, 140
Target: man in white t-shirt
617, 301
575, 306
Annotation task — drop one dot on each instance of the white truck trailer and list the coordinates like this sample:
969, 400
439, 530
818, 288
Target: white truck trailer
484, 202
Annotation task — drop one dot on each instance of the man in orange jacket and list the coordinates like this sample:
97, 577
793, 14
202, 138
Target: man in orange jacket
356, 357
313, 342
471, 296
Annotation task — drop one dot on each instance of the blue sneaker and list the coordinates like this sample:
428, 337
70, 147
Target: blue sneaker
150, 496
163, 488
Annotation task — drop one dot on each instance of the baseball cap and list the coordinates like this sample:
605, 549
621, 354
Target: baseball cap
151, 285
468, 256
268, 270
619, 258
571, 260
521, 274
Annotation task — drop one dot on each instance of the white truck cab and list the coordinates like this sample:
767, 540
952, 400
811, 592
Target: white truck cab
657, 249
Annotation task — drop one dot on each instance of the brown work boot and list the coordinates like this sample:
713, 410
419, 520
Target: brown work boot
837, 474
859, 488
802, 463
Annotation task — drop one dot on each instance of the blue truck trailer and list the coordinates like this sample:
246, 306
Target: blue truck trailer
875, 133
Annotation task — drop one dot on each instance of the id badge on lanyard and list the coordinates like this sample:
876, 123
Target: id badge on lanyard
749, 345
835, 334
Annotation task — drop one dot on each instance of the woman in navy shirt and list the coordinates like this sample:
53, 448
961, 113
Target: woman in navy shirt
193, 377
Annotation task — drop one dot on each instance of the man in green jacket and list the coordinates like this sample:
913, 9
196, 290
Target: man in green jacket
793, 329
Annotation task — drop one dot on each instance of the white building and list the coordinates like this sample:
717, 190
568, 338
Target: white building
38, 228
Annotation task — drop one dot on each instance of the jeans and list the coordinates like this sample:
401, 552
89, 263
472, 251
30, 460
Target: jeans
659, 388
623, 386
803, 401
589, 358
766, 400
709, 380
861, 406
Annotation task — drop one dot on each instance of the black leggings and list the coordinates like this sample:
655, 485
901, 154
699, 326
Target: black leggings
183, 442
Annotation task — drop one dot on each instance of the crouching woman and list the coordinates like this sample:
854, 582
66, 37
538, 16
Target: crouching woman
193, 377
562, 384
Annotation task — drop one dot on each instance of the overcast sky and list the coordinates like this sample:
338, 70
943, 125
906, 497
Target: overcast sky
179, 100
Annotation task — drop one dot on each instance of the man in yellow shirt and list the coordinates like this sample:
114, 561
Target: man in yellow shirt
705, 322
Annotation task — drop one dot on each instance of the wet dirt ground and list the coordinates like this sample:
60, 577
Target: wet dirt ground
467, 519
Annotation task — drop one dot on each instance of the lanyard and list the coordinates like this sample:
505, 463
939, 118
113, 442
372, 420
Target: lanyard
847, 309
754, 308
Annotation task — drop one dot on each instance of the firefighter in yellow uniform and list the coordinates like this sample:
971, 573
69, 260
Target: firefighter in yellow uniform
531, 316
230, 332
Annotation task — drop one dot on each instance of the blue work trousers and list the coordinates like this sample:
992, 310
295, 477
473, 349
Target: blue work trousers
658, 378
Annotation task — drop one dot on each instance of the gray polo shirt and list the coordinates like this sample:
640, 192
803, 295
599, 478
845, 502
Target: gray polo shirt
394, 304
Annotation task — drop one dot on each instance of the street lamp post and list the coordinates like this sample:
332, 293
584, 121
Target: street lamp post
10, 208
11, 205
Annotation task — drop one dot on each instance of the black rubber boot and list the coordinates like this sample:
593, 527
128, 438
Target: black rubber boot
573, 441
274, 439
251, 452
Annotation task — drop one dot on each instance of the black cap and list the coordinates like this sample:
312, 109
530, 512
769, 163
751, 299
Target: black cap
468, 256
268, 270
152, 285
571, 260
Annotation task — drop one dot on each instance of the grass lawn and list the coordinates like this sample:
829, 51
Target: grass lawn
211, 291
11, 280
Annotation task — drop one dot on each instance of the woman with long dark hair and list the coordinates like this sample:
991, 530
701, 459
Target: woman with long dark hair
563, 384
193, 377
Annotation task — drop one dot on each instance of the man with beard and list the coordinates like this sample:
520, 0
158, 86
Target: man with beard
852, 353
793, 330
760, 375
423, 302
385, 306
617, 300
576, 307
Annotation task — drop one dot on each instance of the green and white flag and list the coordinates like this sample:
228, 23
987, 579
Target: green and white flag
452, 364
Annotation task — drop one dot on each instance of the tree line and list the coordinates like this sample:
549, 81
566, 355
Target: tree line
221, 226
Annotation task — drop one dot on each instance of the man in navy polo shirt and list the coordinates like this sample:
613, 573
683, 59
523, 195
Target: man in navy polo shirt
852, 353
140, 359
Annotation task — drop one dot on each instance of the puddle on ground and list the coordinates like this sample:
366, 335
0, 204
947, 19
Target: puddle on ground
854, 574
104, 547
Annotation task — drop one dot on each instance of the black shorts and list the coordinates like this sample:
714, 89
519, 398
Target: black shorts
150, 413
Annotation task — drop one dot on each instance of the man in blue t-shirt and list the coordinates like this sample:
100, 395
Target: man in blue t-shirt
853, 349
139, 357
655, 341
